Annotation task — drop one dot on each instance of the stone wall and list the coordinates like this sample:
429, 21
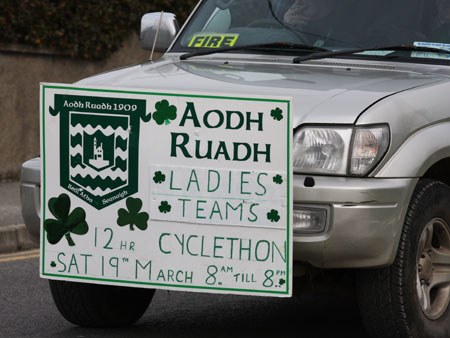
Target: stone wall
21, 71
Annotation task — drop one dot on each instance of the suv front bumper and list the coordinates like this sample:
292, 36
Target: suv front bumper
365, 217
30, 196
365, 220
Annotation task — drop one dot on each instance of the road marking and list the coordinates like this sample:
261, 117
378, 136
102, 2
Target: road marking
20, 253
19, 256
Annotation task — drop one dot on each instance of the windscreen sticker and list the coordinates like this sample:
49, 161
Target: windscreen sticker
212, 40
432, 55
439, 45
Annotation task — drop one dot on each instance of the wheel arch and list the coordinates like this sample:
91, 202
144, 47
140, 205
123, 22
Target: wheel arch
439, 171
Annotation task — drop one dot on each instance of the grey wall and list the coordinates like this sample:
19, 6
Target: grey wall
21, 71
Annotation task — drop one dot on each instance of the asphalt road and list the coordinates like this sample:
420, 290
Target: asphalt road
27, 310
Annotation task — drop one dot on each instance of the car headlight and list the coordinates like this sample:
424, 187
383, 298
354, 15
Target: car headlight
333, 150
322, 150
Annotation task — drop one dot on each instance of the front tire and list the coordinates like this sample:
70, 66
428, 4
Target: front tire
410, 298
93, 305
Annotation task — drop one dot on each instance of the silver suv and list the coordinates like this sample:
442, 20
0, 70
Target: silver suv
370, 82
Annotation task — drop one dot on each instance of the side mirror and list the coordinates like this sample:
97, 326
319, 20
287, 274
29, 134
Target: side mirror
167, 31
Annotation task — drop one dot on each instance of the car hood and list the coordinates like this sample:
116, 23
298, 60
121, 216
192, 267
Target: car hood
323, 92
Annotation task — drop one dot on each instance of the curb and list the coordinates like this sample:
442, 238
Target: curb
15, 238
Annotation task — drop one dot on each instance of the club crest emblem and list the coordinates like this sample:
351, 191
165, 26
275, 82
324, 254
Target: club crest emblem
99, 146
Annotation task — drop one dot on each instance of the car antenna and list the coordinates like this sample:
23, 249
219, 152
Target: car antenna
156, 36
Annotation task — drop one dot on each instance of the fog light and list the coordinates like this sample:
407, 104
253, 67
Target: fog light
309, 219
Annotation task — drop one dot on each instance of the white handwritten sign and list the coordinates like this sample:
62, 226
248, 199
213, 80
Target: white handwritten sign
185, 191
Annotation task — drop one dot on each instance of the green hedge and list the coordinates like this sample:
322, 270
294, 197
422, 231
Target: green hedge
87, 29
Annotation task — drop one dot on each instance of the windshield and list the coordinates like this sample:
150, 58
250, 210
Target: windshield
329, 24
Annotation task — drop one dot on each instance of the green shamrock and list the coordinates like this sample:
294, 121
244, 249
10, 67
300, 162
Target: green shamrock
273, 216
53, 264
282, 282
277, 114
164, 207
164, 112
159, 177
65, 223
132, 216
278, 179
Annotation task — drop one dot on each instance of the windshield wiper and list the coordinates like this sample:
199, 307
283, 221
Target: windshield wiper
287, 45
329, 54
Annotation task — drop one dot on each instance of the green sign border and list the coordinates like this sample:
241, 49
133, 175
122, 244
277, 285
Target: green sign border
288, 248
